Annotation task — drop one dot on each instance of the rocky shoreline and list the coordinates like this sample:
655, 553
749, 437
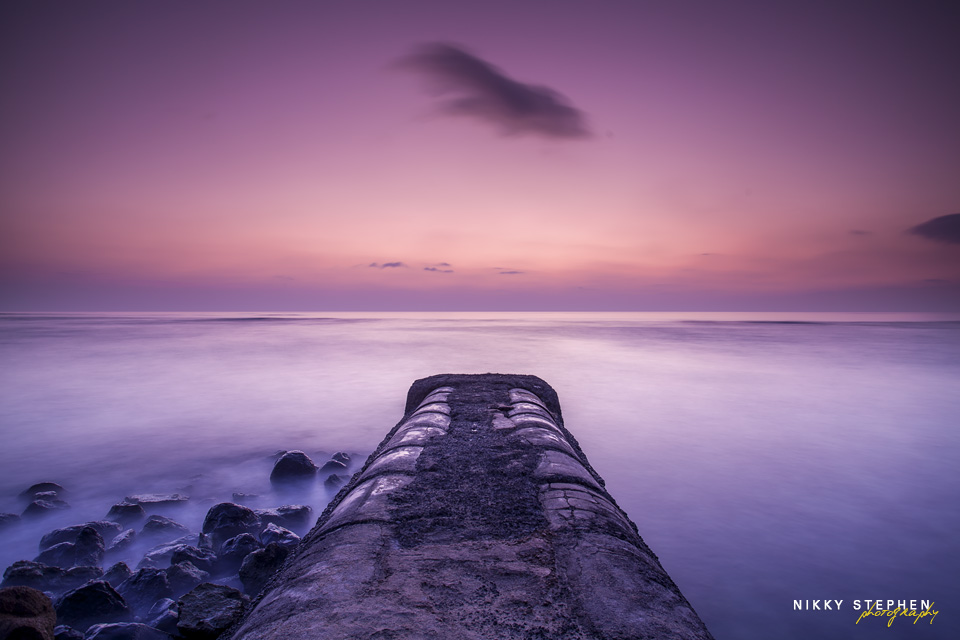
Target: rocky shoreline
140, 574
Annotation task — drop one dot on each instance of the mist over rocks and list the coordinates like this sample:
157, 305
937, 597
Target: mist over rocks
126, 513
44, 506
175, 543
8, 520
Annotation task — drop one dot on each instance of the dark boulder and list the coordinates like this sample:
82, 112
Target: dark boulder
295, 517
105, 528
226, 520
159, 527
209, 609
26, 613
35, 575
293, 467
144, 588
159, 556
202, 559
125, 631
89, 547
126, 513
279, 535
117, 573
184, 576
93, 603
59, 555
86, 550
40, 507
342, 456
234, 550
260, 565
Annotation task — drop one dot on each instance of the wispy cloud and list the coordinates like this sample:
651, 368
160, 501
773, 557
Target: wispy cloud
438, 269
482, 91
386, 265
511, 273
943, 229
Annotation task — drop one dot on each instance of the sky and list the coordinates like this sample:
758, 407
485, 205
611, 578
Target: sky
495, 155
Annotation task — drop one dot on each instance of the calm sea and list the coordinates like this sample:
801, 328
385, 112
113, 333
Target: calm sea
765, 458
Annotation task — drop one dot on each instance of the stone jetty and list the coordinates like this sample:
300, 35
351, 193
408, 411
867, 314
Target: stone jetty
477, 518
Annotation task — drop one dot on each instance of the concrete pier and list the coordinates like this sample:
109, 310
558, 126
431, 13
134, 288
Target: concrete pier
477, 518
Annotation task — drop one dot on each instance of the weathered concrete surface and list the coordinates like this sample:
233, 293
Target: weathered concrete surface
477, 518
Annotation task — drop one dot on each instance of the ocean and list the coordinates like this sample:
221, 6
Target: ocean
767, 459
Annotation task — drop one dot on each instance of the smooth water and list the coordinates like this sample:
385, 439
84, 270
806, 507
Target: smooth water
765, 458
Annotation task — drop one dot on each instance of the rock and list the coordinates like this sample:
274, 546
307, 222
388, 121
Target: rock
283, 537
76, 576
184, 576
160, 556
93, 603
59, 555
41, 507
202, 559
105, 528
240, 498
343, 457
164, 616
126, 513
334, 481
63, 632
85, 550
35, 575
125, 631
29, 494
26, 613
159, 527
226, 520
8, 520
117, 573
234, 550
260, 565
295, 517
89, 548
121, 541
293, 467
144, 588
333, 466
209, 609
157, 499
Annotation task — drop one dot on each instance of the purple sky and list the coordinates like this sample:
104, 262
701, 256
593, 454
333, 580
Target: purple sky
491, 155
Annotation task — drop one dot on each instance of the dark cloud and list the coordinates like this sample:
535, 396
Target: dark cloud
511, 273
942, 229
483, 91
444, 264
386, 265
438, 270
